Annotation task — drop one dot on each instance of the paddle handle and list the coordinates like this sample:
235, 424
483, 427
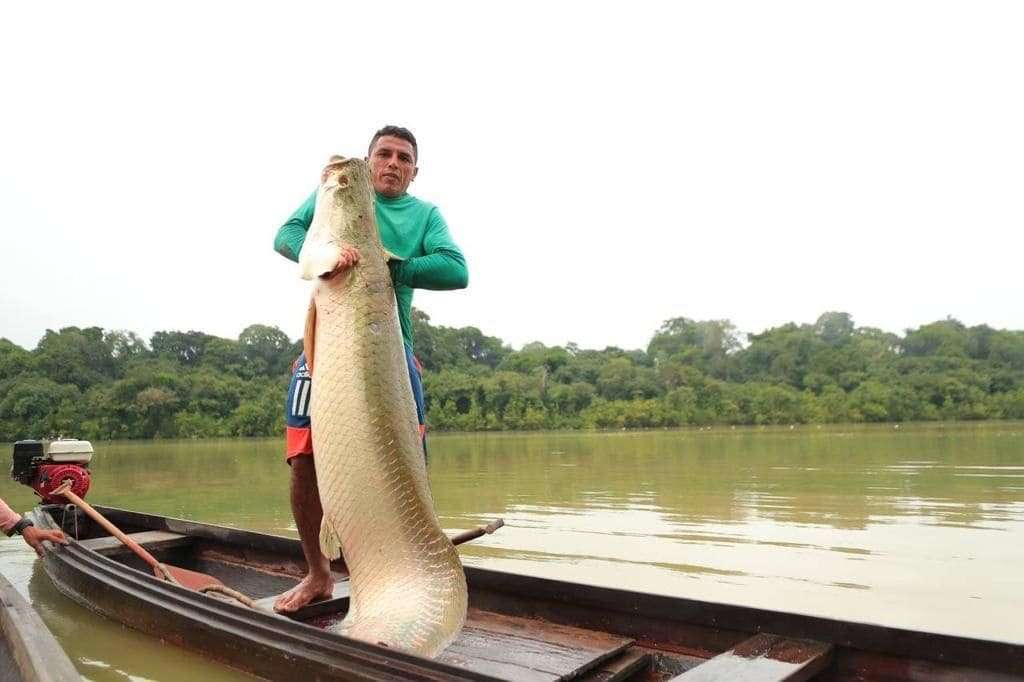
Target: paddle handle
473, 534
65, 490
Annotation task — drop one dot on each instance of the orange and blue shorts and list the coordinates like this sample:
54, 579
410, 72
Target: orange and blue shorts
299, 440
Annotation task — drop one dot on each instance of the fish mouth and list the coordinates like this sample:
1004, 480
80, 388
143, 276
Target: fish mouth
341, 173
337, 164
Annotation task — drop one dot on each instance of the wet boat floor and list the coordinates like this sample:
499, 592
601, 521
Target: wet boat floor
495, 644
515, 648
498, 644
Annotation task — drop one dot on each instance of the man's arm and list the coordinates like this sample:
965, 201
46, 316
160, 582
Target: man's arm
8, 517
12, 522
442, 267
290, 236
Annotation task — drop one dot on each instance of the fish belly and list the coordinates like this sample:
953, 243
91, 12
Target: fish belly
408, 588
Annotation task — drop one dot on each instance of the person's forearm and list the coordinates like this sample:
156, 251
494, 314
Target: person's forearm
442, 270
288, 241
289, 237
8, 517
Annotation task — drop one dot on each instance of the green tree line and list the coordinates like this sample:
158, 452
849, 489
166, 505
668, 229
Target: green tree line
100, 384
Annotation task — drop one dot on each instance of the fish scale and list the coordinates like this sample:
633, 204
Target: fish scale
407, 585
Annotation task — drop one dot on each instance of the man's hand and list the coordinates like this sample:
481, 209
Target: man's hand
346, 259
36, 536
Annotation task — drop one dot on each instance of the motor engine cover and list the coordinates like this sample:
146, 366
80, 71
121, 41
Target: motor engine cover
49, 477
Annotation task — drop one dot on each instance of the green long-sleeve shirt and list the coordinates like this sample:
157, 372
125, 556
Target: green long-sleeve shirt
409, 228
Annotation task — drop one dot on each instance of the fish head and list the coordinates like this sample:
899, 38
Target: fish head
344, 216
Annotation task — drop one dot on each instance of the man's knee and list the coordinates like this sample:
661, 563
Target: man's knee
303, 468
304, 492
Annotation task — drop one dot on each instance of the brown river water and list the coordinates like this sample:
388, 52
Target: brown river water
920, 526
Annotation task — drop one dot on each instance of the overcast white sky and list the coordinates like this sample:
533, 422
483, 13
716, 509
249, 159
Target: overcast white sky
604, 166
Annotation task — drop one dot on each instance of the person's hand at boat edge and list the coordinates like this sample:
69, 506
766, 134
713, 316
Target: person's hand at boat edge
13, 523
35, 537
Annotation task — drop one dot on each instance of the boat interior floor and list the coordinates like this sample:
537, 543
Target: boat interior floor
501, 645
512, 646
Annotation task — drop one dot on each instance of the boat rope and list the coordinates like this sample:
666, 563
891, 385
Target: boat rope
168, 576
234, 594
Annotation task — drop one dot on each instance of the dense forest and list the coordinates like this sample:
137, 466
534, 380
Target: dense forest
99, 384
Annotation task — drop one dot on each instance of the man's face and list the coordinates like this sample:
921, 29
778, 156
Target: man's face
392, 165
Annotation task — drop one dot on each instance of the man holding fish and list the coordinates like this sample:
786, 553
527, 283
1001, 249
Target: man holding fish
426, 257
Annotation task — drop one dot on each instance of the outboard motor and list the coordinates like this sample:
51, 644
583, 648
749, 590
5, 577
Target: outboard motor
44, 469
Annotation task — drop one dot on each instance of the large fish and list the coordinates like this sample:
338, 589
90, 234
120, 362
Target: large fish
408, 588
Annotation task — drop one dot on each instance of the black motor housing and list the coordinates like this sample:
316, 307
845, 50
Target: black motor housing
28, 455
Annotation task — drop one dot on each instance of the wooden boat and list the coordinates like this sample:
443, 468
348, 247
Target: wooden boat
518, 628
28, 652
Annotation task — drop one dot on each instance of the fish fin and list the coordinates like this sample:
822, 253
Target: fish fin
329, 543
388, 256
316, 259
309, 335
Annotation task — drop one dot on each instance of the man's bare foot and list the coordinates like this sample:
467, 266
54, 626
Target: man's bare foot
311, 589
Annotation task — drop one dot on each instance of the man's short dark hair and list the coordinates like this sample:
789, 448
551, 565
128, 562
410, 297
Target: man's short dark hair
399, 132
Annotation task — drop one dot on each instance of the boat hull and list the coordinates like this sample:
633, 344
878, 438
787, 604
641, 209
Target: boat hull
520, 627
28, 650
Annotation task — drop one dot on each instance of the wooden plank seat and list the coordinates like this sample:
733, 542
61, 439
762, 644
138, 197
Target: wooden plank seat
621, 667
764, 658
152, 540
518, 648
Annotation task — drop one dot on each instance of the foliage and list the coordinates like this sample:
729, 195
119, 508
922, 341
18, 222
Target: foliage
111, 384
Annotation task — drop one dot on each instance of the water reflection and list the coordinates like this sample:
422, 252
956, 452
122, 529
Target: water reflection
870, 524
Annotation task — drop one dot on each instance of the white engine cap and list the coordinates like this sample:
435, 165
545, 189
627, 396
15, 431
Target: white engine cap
70, 451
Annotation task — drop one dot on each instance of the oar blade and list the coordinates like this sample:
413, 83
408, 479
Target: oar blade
191, 579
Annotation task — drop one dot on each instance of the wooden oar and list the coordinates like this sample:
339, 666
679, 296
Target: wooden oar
200, 582
473, 534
